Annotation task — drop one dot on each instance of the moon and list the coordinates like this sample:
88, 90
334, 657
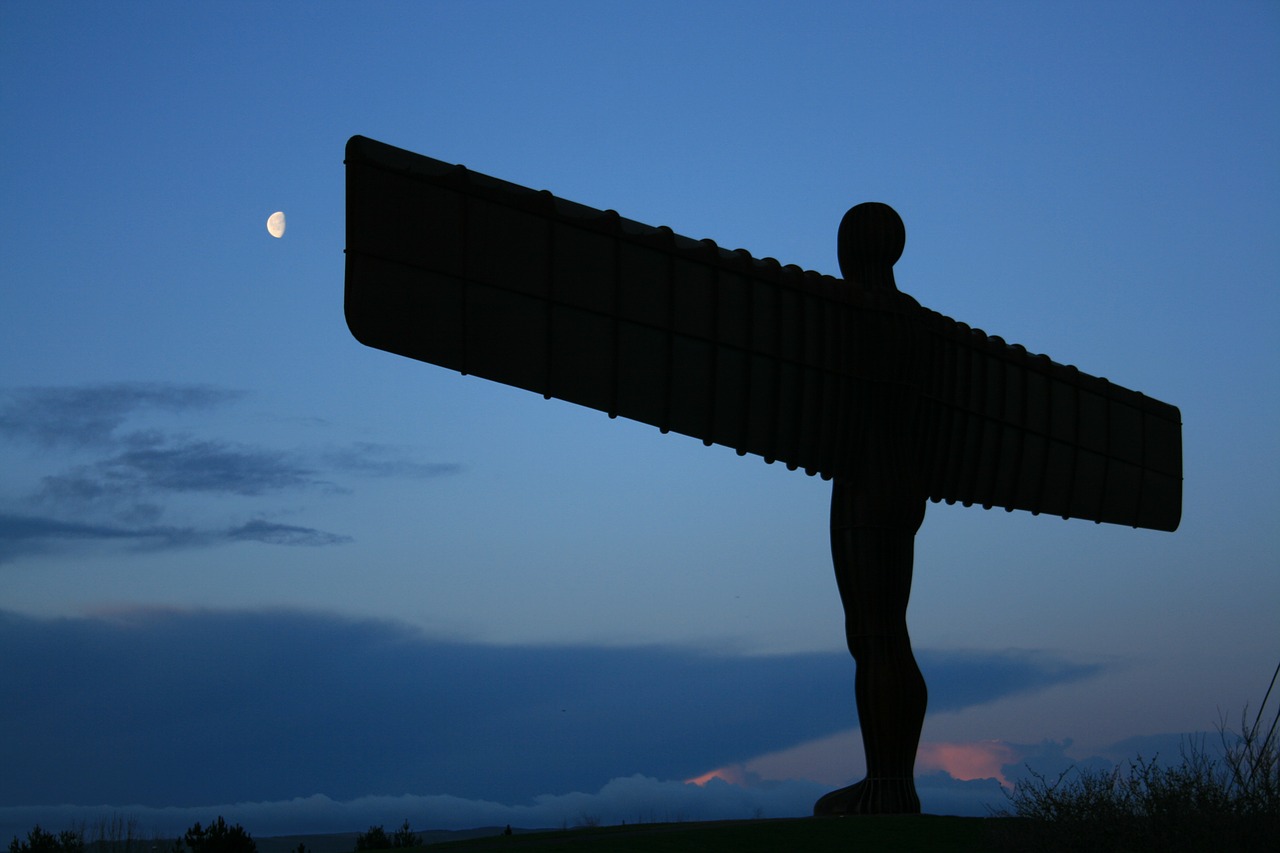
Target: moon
275, 224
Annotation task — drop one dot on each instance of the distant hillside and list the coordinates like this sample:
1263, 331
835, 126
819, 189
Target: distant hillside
345, 842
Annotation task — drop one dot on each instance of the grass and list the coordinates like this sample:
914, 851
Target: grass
891, 834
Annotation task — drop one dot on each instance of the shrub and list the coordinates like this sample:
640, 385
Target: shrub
405, 837
116, 834
40, 841
377, 839
1202, 803
219, 838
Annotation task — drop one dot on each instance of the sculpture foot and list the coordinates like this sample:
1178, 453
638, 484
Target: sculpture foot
870, 796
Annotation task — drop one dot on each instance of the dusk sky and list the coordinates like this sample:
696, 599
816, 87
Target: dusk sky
250, 567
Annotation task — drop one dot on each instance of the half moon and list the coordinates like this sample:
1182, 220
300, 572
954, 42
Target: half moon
275, 224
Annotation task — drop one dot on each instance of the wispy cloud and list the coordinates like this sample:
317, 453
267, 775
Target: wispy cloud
370, 459
209, 467
22, 535
123, 492
284, 534
25, 535
92, 415
320, 704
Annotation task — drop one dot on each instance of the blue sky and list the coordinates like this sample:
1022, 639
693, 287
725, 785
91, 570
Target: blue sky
222, 518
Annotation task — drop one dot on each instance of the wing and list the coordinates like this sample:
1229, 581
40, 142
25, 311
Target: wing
485, 277
489, 278
1013, 429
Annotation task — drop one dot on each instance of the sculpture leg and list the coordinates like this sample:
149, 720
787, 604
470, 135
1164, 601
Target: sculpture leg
872, 545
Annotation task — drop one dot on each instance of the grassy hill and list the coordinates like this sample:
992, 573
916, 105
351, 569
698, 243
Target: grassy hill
897, 834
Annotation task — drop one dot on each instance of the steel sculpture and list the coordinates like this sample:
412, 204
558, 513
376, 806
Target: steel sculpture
848, 379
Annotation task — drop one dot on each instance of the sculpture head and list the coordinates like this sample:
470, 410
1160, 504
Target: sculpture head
869, 243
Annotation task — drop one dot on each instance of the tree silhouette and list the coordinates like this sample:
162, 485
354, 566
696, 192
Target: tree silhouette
377, 839
220, 838
405, 837
41, 841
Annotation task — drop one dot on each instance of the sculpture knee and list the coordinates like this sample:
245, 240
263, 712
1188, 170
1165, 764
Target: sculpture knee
881, 646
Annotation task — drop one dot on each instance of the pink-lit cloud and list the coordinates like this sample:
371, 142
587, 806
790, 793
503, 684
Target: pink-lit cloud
837, 760
966, 761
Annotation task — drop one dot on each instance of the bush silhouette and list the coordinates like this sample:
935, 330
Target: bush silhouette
1202, 803
40, 841
377, 839
219, 838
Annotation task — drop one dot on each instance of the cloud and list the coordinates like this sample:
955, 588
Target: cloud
168, 708
961, 679
90, 415
183, 466
1168, 747
17, 528
943, 794
124, 494
637, 798
22, 535
630, 799
1050, 758
284, 534
968, 761
370, 459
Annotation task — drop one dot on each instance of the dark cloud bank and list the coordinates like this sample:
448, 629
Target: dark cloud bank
180, 710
